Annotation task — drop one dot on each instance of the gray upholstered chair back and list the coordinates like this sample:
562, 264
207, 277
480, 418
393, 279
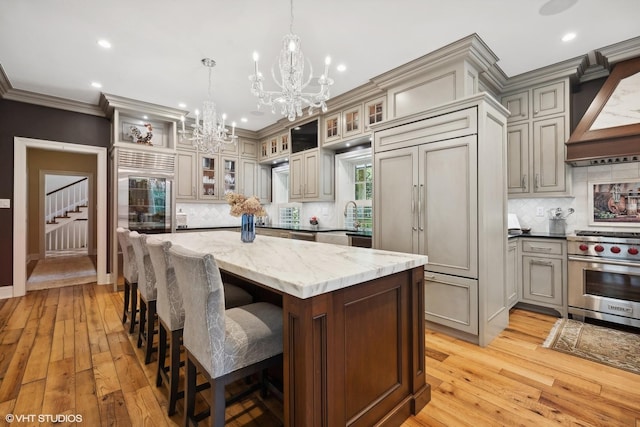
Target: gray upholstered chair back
199, 280
169, 303
146, 281
129, 265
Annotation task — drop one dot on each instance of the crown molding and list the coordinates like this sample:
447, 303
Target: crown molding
470, 48
619, 52
108, 103
9, 93
568, 68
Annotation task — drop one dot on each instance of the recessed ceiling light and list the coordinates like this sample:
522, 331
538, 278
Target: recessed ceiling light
341, 67
348, 145
96, 84
104, 43
182, 105
145, 117
568, 37
244, 120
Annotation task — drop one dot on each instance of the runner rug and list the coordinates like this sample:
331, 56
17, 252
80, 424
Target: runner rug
610, 347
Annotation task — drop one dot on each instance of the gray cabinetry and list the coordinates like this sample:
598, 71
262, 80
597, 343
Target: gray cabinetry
311, 175
512, 278
439, 190
538, 128
544, 272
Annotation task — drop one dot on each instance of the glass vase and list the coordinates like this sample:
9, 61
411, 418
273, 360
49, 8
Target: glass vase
248, 228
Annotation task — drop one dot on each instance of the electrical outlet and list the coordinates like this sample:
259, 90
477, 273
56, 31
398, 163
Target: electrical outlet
539, 211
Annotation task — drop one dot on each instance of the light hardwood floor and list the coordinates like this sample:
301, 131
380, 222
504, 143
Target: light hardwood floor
65, 351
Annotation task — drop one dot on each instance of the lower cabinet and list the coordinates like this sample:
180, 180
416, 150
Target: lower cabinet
451, 301
544, 272
512, 277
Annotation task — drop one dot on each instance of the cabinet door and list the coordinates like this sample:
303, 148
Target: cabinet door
352, 121
229, 177
548, 156
548, 99
395, 186
186, 175
518, 106
274, 143
283, 144
248, 149
248, 178
374, 112
331, 128
209, 186
311, 175
264, 183
296, 167
448, 206
542, 280
518, 159
512, 274
264, 149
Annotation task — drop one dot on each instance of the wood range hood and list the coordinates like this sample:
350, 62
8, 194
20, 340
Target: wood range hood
609, 132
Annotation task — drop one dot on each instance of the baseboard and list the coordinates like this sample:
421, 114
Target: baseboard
6, 292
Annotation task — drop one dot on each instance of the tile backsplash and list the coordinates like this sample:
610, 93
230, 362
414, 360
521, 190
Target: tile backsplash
525, 209
330, 214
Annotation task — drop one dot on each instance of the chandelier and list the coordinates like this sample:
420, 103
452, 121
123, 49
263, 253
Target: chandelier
291, 62
212, 133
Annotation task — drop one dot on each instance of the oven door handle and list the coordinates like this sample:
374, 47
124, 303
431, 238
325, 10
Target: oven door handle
603, 261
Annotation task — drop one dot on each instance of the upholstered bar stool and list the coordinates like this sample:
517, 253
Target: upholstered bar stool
148, 294
223, 345
171, 317
130, 273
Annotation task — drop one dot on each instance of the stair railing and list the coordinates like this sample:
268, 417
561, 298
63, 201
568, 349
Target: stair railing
66, 199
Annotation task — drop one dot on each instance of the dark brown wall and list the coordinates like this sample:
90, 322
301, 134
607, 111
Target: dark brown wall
32, 121
581, 97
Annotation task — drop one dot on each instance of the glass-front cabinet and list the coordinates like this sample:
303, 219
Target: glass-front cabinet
229, 180
209, 185
374, 112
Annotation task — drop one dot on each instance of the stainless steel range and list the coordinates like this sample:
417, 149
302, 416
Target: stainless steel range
604, 276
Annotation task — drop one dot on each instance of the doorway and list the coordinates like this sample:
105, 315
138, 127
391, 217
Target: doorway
21, 227
65, 220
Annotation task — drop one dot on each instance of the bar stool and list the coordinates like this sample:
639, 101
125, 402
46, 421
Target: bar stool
148, 294
130, 273
223, 345
171, 316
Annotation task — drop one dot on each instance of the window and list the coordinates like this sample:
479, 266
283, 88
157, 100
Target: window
363, 182
289, 215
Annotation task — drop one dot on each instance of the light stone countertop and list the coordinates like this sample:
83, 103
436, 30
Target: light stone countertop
295, 267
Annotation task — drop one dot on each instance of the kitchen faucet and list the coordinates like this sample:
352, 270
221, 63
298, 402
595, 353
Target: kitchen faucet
350, 202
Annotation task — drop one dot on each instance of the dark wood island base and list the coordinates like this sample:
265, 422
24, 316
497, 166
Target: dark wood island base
355, 356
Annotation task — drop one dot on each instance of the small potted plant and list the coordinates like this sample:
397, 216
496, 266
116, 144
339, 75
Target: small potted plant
313, 220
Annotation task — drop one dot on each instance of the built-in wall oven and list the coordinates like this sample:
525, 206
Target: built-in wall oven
604, 276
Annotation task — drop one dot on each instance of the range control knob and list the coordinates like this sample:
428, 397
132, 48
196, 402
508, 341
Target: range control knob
615, 249
599, 248
633, 251
583, 247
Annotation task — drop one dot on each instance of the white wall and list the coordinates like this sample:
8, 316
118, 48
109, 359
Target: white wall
525, 209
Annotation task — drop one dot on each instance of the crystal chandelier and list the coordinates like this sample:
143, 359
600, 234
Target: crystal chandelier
212, 133
291, 98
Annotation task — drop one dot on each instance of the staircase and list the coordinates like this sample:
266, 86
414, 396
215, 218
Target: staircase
66, 215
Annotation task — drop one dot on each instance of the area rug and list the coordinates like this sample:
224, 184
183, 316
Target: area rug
610, 347
58, 272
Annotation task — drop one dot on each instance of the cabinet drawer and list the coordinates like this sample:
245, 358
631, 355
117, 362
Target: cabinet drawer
451, 301
540, 247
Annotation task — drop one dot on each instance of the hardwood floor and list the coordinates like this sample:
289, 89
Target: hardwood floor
65, 351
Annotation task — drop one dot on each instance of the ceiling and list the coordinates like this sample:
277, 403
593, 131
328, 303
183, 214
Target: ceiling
50, 47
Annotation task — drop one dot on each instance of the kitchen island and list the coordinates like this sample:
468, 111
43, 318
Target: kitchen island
353, 324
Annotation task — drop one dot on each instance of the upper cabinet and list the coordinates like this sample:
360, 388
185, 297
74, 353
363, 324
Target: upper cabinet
275, 147
352, 123
536, 135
